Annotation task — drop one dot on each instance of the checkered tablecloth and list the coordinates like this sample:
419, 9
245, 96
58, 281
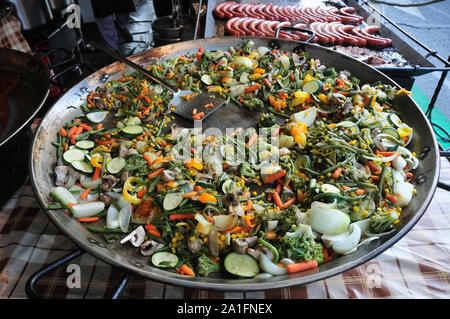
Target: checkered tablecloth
418, 266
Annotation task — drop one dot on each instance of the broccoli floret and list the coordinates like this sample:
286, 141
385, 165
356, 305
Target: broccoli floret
246, 170
330, 72
297, 182
300, 244
354, 80
205, 266
254, 104
381, 221
267, 120
288, 218
247, 46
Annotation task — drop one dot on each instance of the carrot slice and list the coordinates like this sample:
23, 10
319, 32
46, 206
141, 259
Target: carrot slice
85, 193
273, 177
301, 266
186, 270
88, 219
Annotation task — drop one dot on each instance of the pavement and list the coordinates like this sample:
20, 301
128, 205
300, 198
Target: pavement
430, 25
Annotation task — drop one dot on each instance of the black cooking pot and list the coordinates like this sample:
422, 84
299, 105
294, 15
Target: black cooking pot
23, 103
164, 31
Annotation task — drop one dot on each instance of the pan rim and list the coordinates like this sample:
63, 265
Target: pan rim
246, 285
39, 105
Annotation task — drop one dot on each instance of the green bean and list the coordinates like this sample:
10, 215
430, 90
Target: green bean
271, 109
55, 207
251, 198
154, 142
382, 177
158, 133
110, 238
102, 213
332, 168
276, 254
310, 171
338, 196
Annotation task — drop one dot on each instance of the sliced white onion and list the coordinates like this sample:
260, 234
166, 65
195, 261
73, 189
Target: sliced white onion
125, 217
112, 217
225, 222
269, 267
307, 116
262, 50
348, 243
381, 159
263, 275
271, 224
328, 221
404, 193
244, 78
243, 61
87, 209
87, 182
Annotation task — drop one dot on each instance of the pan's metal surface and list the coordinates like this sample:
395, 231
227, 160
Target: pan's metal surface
42, 161
28, 96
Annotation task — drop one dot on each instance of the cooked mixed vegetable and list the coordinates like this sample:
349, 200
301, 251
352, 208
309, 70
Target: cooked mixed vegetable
325, 170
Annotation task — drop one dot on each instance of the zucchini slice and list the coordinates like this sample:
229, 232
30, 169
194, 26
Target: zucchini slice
172, 200
228, 186
311, 72
164, 260
241, 265
395, 120
73, 155
82, 166
97, 117
302, 161
391, 146
116, 165
313, 86
132, 131
391, 131
85, 144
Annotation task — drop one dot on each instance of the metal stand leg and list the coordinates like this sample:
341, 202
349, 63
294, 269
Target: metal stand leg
121, 286
30, 288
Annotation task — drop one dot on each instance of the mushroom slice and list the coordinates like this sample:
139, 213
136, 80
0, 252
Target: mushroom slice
168, 175
195, 245
136, 237
149, 247
61, 174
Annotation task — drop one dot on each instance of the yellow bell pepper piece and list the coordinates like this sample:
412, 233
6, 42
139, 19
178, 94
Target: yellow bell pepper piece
194, 163
308, 78
97, 160
323, 98
259, 70
297, 128
300, 139
126, 187
205, 197
404, 131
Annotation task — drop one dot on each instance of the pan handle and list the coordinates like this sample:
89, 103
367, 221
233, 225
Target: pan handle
442, 184
312, 33
124, 60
